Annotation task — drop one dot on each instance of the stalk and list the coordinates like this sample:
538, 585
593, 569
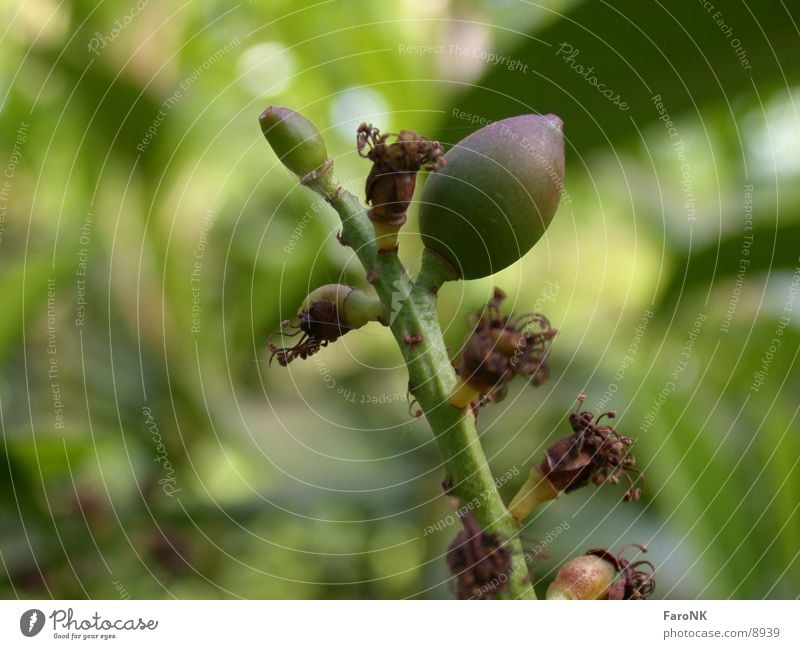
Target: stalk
414, 323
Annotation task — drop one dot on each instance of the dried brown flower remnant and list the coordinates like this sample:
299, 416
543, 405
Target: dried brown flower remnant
634, 582
500, 348
318, 325
594, 453
326, 314
479, 561
392, 179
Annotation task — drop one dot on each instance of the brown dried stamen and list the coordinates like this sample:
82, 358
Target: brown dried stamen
319, 325
633, 582
480, 562
502, 347
593, 453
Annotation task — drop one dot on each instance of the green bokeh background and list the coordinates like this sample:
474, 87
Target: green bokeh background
142, 161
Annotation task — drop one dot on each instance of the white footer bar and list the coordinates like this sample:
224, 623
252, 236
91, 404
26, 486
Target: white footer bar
406, 624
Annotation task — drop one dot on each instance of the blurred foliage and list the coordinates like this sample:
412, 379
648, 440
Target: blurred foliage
140, 162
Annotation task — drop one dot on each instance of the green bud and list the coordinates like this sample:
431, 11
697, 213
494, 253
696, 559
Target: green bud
496, 195
295, 140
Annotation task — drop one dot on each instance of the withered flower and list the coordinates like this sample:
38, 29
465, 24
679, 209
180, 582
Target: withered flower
479, 561
392, 179
593, 453
326, 314
500, 348
599, 574
633, 582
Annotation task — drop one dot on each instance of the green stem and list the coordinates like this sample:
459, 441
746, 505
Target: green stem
413, 319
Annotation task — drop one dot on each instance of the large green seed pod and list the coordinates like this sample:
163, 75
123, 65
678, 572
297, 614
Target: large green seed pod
497, 194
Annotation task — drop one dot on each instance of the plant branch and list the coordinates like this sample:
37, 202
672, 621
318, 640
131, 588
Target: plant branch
413, 319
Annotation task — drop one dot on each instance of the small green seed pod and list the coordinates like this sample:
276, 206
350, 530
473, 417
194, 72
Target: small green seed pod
496, 196
326, 314
353, 307
295, 140
585, 577
601, 574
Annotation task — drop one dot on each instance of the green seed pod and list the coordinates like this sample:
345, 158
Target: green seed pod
497, 194
353, 307
586, 577
295, 140
600, 574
